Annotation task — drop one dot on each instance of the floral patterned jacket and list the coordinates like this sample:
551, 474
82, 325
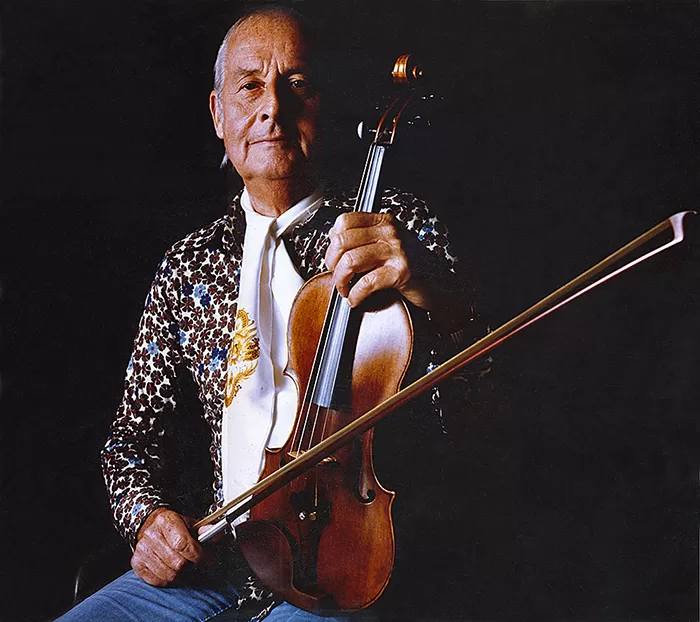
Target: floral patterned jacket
187, 326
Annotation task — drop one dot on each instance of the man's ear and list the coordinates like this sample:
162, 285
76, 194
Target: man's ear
213, 109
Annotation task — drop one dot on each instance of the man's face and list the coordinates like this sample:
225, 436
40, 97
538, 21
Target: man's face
268, 111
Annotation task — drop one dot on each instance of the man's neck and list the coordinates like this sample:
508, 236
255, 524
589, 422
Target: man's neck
274, 197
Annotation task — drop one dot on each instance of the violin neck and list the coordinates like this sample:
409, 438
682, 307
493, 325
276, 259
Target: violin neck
335, 329
370, 179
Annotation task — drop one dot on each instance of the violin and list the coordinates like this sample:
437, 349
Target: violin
320, 531
325, 542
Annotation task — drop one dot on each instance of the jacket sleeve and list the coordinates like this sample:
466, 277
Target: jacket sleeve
427, 243
131, 458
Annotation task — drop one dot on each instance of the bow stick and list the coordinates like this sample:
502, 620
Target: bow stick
585, 282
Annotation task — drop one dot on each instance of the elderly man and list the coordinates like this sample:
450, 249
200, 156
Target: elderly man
237, 275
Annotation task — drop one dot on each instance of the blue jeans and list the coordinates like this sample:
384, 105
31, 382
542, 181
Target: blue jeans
129, 599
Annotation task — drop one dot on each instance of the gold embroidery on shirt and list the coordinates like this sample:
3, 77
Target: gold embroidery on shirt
242, 355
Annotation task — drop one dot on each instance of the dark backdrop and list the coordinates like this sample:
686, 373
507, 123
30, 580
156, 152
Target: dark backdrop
566, 129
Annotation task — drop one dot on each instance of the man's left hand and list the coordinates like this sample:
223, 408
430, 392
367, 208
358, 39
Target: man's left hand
369, 244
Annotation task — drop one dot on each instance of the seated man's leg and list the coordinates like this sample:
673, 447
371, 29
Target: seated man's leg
289, 613
129, 599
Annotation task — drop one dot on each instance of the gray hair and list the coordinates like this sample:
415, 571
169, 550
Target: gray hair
219, 72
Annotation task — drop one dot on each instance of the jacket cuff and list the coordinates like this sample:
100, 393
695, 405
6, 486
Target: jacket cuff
131, 512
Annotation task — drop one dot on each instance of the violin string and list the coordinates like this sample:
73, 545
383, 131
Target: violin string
333, 311
367, 186
338, 301
305, 416
309, 409
335, 301
337, 306
313, 384
315, 380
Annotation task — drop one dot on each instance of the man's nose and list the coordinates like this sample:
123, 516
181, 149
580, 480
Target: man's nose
272, 103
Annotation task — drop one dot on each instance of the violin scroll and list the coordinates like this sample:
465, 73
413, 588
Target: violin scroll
406, 70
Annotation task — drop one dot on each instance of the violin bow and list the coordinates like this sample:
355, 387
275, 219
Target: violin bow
593, 277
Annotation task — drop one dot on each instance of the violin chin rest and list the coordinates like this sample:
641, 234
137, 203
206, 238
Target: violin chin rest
270, 557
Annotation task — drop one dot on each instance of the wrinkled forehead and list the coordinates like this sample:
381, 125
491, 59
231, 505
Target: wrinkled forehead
266, 38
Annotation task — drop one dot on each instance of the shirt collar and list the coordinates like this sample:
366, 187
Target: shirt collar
297, 214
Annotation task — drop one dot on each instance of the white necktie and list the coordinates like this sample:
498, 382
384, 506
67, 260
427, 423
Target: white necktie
260, 402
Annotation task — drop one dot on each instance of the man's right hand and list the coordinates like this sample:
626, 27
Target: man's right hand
164, 546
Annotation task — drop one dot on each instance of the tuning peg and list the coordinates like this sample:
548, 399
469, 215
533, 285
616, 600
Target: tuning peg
418, 120
362, 131
432, 97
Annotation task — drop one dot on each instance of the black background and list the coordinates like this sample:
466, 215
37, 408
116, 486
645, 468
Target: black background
566, 129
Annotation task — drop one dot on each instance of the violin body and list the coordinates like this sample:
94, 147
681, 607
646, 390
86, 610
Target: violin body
325, 541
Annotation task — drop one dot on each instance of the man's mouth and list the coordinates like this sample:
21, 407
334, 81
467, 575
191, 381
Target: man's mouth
272, 139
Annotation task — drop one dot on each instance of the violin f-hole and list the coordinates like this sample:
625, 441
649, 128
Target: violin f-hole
361, 483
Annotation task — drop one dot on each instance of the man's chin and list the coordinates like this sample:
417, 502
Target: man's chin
289, 169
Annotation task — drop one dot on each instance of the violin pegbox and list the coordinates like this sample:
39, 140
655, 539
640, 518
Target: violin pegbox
406, 72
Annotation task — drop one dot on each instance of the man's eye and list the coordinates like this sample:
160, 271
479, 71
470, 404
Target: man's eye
249, 86
299, 84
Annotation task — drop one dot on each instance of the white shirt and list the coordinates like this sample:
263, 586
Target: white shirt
284, 286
